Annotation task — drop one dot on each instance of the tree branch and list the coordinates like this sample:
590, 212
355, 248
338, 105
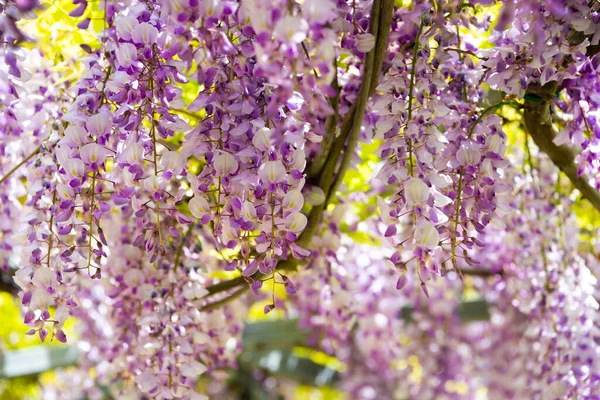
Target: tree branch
314, 167
231, 297
370, 81
484, 273
7, 284
16, 167
539, 125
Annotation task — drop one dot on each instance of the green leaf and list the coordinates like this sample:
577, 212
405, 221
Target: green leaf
478, 310
269, 345
34, 360
468, 311
273, 334
300, 369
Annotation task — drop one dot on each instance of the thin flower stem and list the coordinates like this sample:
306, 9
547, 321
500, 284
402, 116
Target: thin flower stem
50, 227
461, 51
308, 57
458, 201
19, 165
484, 113
93, 189
180, 247
93, 184
103, 94
461, 58
413, 69
225, 285
460, 181
156, 175
272, 226
189, 114
273, 289
411, 89
231, 297
153, 135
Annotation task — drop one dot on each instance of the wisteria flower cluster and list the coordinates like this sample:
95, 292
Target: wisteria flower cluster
372, 168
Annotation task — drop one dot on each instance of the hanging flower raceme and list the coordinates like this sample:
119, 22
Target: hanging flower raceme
441, 156
206, 140
550, 302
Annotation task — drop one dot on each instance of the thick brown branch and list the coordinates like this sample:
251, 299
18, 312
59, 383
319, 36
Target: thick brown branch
282, 265
7, 284
484, 273
314, 167
539, 125
373, 66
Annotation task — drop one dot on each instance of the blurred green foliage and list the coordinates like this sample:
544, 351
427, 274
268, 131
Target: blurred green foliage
12, 336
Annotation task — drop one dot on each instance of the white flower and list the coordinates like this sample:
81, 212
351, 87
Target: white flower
154, 183
200, 337
40, 300
495, 144
426, 235
191, 292
60, 316
225, 163
293, 201
76, 134
199, 206
272, 172
74, 167
384, 125
126, 53
146, 381
192, 369
439, 180
65, 191
144, 33
556, 390
486, 168
133, 277
262, 139
210, 7
172, 161
125, 26
291, 29
415, 191
258, 16
441, 200
99, 124
298, 160
93, 153
249, 211
134, 153
468, 155
365, 42
315, 196
229, 234
319, 11
384, 211
439, 108
44, 278
295, 222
